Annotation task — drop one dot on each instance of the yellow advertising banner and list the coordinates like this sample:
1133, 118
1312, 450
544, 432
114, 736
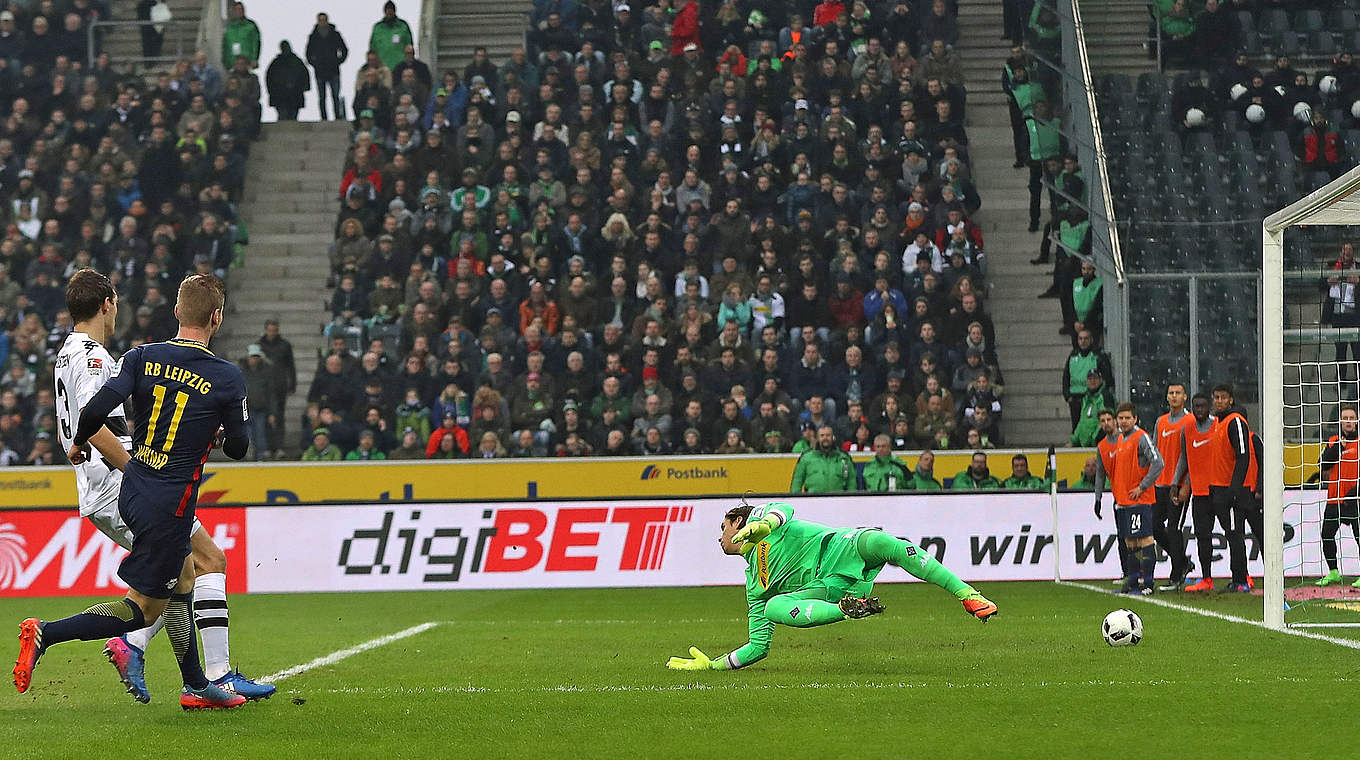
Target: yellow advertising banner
288, 483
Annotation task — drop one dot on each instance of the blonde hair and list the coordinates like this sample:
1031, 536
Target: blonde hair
199, 296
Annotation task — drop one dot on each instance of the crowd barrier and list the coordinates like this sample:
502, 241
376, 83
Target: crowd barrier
402, 546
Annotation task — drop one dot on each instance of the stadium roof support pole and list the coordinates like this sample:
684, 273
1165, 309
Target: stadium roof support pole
1333, 204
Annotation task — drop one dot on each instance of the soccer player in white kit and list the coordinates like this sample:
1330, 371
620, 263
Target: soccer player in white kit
82, 367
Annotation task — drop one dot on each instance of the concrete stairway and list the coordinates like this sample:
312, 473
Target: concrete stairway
461, 25
124, 43
1029, 346
290, 208
1116, 35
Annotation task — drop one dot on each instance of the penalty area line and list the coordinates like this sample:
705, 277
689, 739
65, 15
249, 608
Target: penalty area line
343, 654
1350, 643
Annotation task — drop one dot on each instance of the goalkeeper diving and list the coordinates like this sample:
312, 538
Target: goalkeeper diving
803, 574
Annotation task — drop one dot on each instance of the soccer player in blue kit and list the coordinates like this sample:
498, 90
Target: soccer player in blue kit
187, 401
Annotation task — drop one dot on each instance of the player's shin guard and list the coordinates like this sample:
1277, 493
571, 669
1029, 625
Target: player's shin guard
210, 615
179, 626
879, 548
101, 621
788, 609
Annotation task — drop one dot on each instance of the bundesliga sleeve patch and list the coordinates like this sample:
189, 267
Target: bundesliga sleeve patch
95, 365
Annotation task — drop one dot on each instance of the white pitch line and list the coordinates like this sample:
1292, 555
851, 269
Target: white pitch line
342, 654
747, 686
1350, 643
604, 621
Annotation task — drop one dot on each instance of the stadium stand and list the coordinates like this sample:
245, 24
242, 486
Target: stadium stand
627, 240
1254, 110
134, 171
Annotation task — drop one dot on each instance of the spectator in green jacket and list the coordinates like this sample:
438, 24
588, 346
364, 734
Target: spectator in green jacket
1088, 302
321, 450
415, 415
1089, 472
1021, 478
1045, 28
1098, 398
1045, 142
885, 472
1178, 31
976, 476
824, 469
366, 451
807, 440
241, 39
390, 36
1084, 358
923, 477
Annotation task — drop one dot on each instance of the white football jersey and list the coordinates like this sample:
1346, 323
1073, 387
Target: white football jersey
82, 367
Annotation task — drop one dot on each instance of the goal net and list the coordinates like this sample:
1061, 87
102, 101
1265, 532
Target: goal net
1310, 382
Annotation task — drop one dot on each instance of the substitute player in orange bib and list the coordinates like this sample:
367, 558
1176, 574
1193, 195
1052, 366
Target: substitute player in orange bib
1168, 513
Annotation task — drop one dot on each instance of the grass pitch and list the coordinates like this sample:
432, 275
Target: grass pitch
581, 674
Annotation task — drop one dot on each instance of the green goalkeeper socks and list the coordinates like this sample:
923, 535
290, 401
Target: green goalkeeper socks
788, 609
879, 548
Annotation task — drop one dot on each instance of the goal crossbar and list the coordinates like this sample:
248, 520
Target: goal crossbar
1333, 204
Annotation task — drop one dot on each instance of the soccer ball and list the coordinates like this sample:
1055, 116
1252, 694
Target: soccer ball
1256, 114
1122, 628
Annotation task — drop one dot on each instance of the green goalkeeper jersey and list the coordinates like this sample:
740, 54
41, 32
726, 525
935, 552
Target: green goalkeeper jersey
801, 557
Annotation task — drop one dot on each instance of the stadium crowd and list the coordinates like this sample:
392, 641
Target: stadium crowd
134, 173
715, 227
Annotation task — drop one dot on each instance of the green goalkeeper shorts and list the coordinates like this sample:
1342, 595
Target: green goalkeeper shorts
842, 570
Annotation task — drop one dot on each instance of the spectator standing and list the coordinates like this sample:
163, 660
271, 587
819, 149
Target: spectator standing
153, 35
390, 36
286, 79
326, 50
1045, 142
1088, 302
263, 397
278, 353
825, 468
1021, 94
1084, 359
241, 39
1098, 398
885, 472
1339, 309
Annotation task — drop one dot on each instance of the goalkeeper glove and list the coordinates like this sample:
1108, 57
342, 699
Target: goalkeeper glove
699, 661
756, 530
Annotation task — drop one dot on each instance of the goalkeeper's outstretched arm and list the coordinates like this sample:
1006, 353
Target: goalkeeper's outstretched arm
757, 647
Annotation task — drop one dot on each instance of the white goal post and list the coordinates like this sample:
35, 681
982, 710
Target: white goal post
1330, 205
